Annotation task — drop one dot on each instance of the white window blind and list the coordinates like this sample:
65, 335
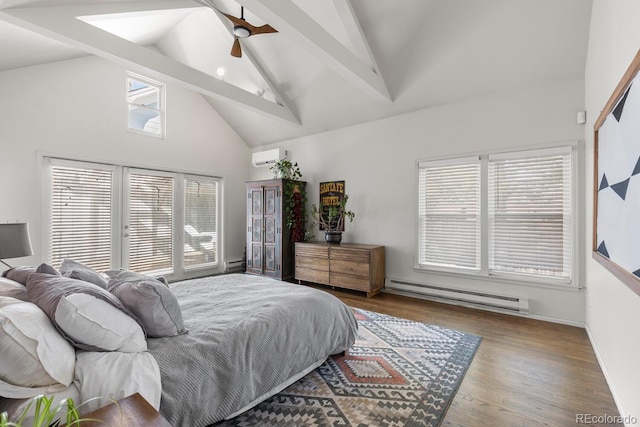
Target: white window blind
201, 221
81, 216
530, 213
449, 214
150, 222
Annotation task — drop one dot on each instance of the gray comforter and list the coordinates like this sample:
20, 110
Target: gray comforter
248, 338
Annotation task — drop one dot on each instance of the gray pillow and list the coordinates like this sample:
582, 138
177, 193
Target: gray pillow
21, 274
76, 270
125, 275
85, 314
152, 302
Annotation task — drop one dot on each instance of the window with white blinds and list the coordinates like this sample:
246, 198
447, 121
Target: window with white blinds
449, 214
81, 215
530, 220
507, 214
150, 222
111, 216
201, 219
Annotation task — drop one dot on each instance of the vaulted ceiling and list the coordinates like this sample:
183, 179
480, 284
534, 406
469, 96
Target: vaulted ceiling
332, 63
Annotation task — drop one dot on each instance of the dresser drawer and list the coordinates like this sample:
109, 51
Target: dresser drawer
355, 255
350, 267
311, 262
315, 251
311, 275
349, 281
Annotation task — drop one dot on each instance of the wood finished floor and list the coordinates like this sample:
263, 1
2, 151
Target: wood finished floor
526, 372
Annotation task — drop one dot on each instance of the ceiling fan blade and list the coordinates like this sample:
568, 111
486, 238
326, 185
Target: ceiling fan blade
236, 50
236, 20
264, 29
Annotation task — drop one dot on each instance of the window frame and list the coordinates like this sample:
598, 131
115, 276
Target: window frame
161, 110
484, 273
180, 271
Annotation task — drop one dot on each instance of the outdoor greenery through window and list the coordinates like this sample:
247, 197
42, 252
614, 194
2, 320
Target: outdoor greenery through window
145, 100
506, 214
109, 216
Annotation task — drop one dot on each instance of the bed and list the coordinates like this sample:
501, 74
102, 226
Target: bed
245, 338
249, 337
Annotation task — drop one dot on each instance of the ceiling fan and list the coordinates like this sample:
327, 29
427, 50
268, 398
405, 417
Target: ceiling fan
242, 29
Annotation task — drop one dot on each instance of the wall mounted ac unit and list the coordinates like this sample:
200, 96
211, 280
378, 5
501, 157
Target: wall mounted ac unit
268, 157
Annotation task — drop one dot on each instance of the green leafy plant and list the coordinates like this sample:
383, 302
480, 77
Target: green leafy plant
284, 169
331, 218
45, 414
296, 197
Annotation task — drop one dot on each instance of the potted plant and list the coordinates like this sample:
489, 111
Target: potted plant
45, 414
331, 219
295, 209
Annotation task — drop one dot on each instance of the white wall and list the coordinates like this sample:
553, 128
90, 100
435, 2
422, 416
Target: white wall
77, 109
378, 162
612, 311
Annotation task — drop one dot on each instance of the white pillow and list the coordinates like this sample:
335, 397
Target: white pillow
90, 320
11, 288
87, 315
34, 357
115, 375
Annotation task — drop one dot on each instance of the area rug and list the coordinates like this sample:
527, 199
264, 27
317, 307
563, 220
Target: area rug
398, 373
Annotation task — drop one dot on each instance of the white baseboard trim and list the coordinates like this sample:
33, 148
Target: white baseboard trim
512, 313
607, 377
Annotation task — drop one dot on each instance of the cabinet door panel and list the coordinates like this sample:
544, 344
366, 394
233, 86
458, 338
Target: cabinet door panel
270, 265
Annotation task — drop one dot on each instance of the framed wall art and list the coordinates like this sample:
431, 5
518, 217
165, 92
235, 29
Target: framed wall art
616, 219
331, 194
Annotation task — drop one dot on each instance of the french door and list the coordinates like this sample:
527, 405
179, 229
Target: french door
109, 216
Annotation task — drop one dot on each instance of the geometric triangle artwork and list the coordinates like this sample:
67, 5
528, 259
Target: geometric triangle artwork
604, 183
621, 188
617, 112
603, 249
636, 170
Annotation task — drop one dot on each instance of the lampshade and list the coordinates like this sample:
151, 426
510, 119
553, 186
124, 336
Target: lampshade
14, 240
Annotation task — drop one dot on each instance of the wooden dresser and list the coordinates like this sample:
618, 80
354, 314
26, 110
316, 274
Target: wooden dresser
350, 266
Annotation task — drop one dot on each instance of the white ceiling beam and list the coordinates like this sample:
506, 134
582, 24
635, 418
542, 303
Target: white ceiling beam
354, 32
291, 21
60, 23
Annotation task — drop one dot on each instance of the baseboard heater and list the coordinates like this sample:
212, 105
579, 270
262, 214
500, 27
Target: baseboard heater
233, 266
482, 300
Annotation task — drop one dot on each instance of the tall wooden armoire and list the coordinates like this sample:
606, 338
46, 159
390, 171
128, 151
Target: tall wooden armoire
270, 250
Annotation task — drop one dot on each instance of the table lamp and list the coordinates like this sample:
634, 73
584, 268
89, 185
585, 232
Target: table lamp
14, 241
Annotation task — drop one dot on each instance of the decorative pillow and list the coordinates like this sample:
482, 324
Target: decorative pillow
128, 275
21, 274
76, 270
34, 355
153, 303
13, 289
85, 314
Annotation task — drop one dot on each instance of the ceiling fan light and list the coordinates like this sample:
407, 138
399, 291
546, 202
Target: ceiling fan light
241, 32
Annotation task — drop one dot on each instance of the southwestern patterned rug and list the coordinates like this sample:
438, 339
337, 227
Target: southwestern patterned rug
398, 373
